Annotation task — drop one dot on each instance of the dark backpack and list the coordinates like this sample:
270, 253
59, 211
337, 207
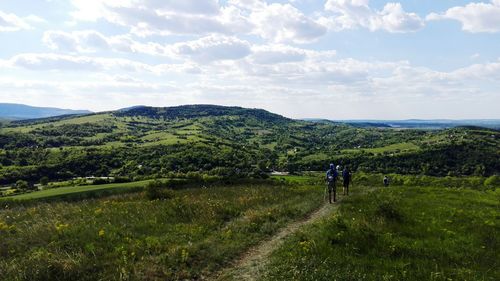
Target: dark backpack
332, 175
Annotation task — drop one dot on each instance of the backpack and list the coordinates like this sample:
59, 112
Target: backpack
331, 175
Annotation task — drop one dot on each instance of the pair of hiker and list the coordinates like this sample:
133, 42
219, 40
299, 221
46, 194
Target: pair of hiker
331, 177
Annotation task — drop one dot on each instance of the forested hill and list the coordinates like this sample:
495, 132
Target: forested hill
230, 141
199, 111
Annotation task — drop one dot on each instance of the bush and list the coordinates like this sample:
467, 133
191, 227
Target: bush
389, 210
44, 181
98, 181
159, 190
492, 181
20, 184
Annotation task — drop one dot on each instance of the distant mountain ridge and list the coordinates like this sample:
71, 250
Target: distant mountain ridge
13, 111
431, 124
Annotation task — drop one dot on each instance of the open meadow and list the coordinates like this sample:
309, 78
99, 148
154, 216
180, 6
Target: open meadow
398, 233
183, 234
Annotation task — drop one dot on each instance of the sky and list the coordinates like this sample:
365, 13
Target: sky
334, 59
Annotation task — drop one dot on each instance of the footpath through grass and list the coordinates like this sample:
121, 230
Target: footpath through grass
398, 234
128, 237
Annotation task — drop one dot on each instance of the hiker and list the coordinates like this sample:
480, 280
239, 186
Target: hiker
331, 178
386, 181
346, 177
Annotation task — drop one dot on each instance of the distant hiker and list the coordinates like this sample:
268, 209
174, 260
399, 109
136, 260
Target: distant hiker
346, 177
331, 179
386, 181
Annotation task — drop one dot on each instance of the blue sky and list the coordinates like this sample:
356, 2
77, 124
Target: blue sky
336, 59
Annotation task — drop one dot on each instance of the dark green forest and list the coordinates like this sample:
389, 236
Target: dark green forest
147, 142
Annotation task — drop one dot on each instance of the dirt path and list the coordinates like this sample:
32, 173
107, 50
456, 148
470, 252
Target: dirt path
251, 265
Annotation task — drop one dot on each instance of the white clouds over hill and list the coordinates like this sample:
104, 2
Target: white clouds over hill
280, 55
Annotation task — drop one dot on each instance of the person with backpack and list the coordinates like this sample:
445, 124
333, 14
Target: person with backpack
331, 179
346, 177
386, 181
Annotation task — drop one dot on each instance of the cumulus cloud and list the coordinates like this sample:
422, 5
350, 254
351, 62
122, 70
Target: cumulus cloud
90, 41
313, 79
474, 17
148, 17
277, 54
58, 62
10, 22
283, 23
213, 48
352, 14
275, 22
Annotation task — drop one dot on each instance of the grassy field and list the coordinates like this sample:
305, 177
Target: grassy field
191, 234
63, 191
398, 233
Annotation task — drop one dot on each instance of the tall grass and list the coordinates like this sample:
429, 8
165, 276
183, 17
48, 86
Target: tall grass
399, 234
187, 235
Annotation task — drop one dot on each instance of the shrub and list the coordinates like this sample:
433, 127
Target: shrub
100, 181
158, 190
492, 181
20, 184
389, 210
44, 181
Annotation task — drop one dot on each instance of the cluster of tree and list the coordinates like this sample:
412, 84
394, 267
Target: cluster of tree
232, 142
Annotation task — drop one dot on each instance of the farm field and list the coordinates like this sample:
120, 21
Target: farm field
188, 234
398, 233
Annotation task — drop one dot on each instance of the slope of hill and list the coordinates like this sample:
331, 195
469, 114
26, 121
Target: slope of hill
146, 142
11, 111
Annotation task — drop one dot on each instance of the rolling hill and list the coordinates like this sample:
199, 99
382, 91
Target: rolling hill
143, 142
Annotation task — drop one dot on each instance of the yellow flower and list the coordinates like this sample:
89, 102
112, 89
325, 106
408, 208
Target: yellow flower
98, 211
101, 233
61, 226
184, 255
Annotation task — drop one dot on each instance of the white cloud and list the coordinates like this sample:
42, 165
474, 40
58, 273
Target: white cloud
474, 17
57, 62
277, 54
11, 22
352, 14
59, 40
274, 22
91, 41
213, 48
149, 17
304, 84
284, 23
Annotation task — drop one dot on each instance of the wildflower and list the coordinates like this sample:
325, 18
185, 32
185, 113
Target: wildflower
60, 227
101, 233
184, 255
4, 226
98, 211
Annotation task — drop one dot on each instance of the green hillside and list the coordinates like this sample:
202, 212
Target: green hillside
146, 142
